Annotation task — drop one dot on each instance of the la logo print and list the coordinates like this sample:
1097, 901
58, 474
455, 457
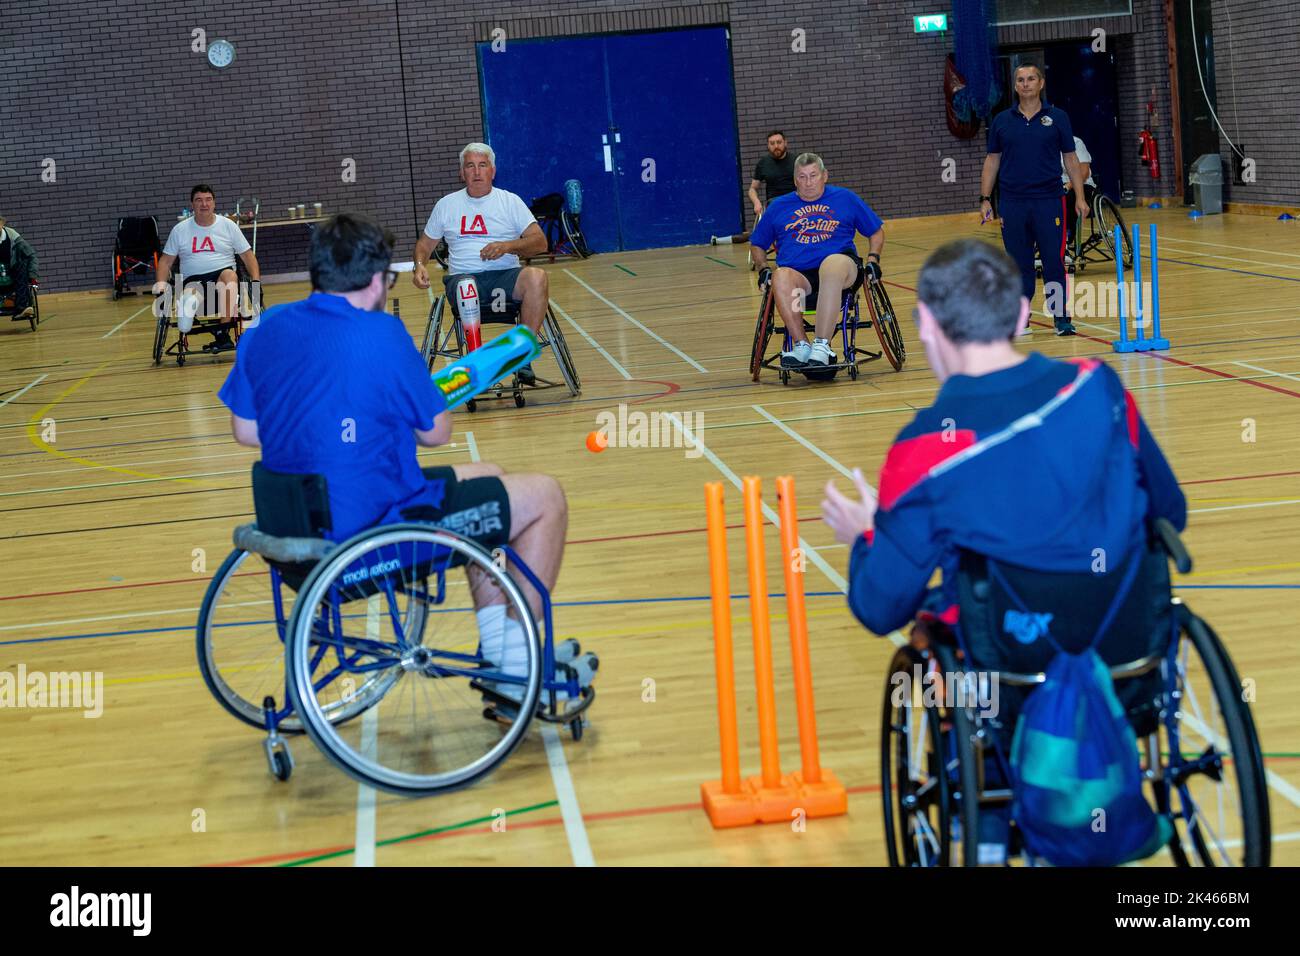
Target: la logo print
476, 228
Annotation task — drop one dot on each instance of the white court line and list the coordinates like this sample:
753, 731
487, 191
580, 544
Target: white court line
1074, 321
574, 828
24, 389
1277, 782
121, 617
1224, 245
803, 441
1249, 262
654, 335
592, 342
364, 845
1261, 504
832, 575
124, 321
1256, 368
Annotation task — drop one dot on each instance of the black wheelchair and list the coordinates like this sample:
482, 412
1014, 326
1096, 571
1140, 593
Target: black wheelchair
562, 228
9, 305
881, 316
444, 338
298, 634
208, 319
944, 761
136, 249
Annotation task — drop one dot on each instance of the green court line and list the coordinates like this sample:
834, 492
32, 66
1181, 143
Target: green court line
628, 271
422, 833
722, 262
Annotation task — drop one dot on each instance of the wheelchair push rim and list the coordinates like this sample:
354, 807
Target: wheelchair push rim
886, 324
1215, 783
427, 735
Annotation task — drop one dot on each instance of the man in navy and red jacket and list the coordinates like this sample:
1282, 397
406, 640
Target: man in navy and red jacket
1025, 459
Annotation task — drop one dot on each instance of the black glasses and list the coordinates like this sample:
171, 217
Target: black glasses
391, 276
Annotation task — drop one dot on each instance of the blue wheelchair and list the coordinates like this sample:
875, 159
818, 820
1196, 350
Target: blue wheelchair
372, 649
944, 763
880, 315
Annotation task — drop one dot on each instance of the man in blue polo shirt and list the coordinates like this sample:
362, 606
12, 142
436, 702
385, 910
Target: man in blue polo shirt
813, 229
1027, 145
333, 385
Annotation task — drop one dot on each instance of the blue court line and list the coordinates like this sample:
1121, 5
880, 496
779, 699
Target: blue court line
1262, 275
658, 600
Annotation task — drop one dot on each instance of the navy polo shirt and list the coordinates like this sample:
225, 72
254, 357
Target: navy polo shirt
339, 391
1031, 151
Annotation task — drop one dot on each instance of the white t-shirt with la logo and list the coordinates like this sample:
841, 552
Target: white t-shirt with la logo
204, 249
469, 224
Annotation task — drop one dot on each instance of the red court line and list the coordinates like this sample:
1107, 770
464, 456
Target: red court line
1273, 474
531, 824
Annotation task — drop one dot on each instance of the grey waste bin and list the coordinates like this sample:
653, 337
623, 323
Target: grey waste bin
1207, 183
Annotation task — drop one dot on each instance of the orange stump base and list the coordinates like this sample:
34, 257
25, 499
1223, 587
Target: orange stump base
758, 804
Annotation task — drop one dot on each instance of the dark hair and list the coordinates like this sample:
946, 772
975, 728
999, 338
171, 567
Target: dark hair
347, 251
1029, 65
776, 132
974, 290
202, 188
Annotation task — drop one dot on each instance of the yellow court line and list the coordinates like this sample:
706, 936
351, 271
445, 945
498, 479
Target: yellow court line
33, 434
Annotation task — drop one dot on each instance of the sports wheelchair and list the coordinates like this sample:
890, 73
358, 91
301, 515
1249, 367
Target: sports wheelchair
9, 306
135, 251
562, 227
1099, 245
879, 308
375, 628
168, 302
944, 761
444, 337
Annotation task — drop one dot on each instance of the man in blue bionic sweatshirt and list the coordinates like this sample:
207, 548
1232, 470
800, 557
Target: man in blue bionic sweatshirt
1003, 423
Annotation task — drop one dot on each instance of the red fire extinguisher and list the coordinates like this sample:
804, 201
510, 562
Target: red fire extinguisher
1149, 152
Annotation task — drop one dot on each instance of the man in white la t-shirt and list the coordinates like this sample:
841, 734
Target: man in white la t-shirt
1089, 187
486, 231
206, 245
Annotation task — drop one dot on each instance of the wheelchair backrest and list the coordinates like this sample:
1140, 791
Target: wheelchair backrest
291, 506
138, 236
548, 206
1007, 612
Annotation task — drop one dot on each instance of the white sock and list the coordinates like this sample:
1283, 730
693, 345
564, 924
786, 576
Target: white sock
514, 658
491, 633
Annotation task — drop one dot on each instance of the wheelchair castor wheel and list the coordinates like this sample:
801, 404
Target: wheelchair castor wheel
471, 405
853, 371
180, 358
281, 765
575, 728
520, 401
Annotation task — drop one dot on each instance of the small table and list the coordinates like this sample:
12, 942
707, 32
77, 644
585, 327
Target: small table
272, 223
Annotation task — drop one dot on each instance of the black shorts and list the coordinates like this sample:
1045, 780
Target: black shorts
476, 508
495, 287
814, 279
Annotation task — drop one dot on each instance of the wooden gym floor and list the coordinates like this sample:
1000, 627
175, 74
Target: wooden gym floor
101, 520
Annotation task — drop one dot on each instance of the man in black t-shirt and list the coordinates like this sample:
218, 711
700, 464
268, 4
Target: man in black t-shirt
775, 171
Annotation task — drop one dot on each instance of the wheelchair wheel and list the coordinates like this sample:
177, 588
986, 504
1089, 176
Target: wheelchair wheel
914, 784
561, 349
430, 335
1107, 216
959, 736
1215, 781
886, 324
35, 318
572, 232
440, 253
159, 339
241, 647
762, 334
427, 735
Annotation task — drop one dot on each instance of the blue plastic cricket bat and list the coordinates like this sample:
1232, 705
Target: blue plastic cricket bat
482, 368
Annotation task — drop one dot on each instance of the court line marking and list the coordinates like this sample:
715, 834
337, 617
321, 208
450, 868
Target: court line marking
1253, 262
1262, 504
592, 342
654, 335
25, 389
1224, 245
365, 838
124, 321
1256, 368
574, 830
803, 441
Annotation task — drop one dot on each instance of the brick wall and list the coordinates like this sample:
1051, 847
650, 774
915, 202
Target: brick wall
1256, 85
132, 118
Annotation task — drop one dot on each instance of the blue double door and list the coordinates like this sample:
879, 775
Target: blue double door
645, 121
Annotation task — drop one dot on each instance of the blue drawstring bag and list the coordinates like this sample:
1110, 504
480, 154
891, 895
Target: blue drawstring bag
1076, 777
573, 196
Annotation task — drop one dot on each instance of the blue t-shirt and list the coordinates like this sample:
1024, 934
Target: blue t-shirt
1031, 151
339, 392
805, 233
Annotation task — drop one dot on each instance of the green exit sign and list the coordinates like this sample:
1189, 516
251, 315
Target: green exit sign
931, 23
